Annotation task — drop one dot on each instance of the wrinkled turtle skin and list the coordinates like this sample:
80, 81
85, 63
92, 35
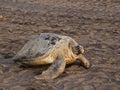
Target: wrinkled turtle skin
50, 48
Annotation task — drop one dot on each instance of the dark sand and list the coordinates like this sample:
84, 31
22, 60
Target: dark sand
95, 24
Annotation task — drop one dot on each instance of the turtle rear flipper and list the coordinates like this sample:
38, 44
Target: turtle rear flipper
54, 70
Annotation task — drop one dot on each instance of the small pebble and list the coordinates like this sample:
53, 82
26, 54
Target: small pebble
1, 16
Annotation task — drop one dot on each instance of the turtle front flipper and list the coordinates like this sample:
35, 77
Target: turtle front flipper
54, 70
84, 61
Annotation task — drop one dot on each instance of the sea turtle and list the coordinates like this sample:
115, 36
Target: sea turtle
50, 48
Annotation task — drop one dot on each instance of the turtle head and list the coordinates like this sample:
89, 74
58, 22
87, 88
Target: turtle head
77, 49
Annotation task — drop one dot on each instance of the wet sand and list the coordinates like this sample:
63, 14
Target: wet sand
94, 24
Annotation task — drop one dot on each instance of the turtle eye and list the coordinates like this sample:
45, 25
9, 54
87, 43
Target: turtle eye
76, 49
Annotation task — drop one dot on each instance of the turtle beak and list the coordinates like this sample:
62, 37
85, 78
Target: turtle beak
81, 49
